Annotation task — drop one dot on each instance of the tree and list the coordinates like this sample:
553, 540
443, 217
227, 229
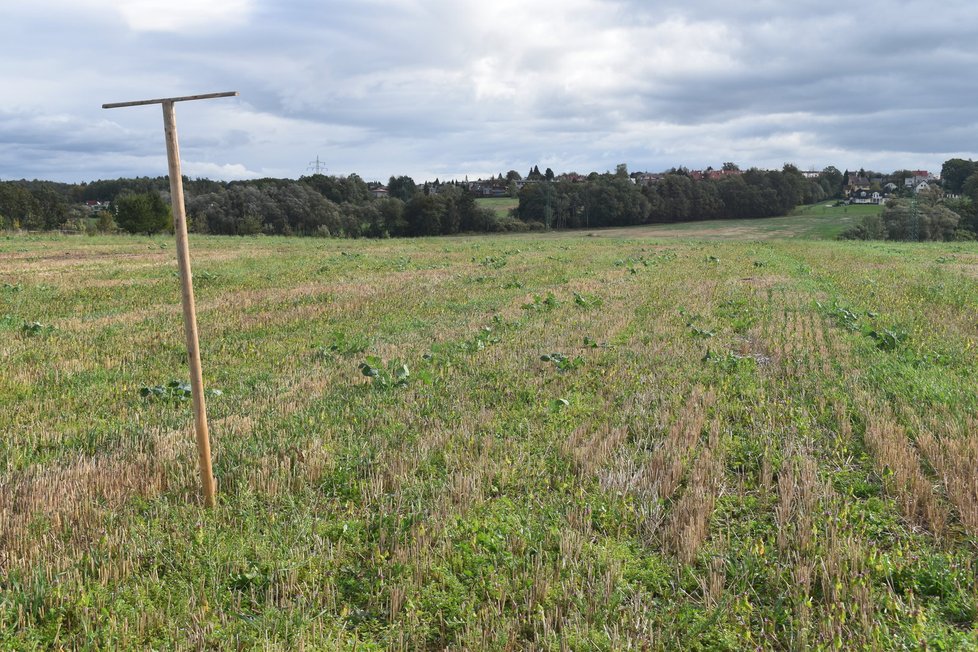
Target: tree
392, 217
730, 166
831, 181
142, 213
954, 172
105, 223
467, 211
402, 188
533, 203
512, 175
351, 189
970, 187
423, 215
676, 192
611, 200
925, 221
18, 208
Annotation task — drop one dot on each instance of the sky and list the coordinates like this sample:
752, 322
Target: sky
454, 88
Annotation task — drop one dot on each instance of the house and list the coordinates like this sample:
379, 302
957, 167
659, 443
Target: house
866, 196
574, 177
95, 206
918, 177
856, 182
379, 192
713, 175
647, 178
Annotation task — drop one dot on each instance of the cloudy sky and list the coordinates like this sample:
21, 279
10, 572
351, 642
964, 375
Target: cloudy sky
448, 88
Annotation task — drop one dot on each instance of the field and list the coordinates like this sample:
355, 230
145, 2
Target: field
823, 221
500, 205
566, 442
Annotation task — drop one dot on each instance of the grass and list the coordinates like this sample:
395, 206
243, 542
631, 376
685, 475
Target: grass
501, 205
570, 443
823, 221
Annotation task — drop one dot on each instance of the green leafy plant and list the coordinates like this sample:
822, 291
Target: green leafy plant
175, 390
587, 301
729, 361
845, 317
542, 304
494, 263
888, 339
480, 341
31, 328
562, 362
342, 344
393, 374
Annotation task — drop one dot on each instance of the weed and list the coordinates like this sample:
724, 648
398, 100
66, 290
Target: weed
587, 301
562, 362
494, 263
33, 328
544, 304
393, 374
175, 390
343, 344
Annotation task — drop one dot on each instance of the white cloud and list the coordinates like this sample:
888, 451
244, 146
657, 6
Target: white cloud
176, 15
208, 170
449, 87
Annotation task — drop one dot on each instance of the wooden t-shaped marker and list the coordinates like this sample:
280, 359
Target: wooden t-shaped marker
186, 280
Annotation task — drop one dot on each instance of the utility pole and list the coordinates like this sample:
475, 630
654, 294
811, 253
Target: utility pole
317, 166
547, 211
914, 220
186, 280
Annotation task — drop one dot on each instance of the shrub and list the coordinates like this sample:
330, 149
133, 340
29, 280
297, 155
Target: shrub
143, 213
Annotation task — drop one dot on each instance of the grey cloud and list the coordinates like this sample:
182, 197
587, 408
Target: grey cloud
396, 87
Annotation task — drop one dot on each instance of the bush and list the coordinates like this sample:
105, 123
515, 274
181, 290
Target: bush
871, 228
510, 224
143, 213
927, 220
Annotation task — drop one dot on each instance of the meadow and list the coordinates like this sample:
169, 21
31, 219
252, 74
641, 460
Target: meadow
582, 441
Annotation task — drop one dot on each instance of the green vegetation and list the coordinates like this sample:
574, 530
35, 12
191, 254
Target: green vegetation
501, 206
601, 443
143, 213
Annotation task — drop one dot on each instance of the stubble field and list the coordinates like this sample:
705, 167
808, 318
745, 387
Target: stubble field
583, 443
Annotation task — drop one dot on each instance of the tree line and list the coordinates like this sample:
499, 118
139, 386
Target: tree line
316, 205
346, 206
615, 200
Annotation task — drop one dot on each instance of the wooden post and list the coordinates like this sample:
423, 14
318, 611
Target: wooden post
208, 489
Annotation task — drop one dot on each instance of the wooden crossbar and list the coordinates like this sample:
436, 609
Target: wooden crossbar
163, 100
